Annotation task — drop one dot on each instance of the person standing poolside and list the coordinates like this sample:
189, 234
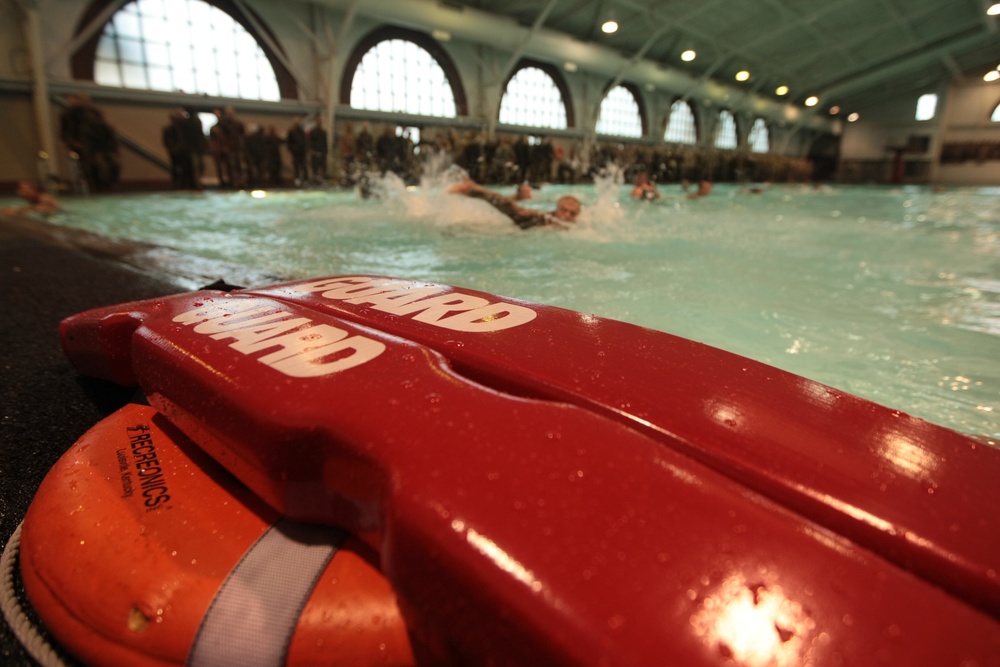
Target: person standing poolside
316, 138
295, 141
174, 143
347, 147
567, 208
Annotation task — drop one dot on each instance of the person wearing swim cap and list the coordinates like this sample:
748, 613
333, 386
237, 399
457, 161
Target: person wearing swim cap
567, 208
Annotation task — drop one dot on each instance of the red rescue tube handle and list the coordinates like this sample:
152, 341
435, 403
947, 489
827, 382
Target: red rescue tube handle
98, 342
522, 531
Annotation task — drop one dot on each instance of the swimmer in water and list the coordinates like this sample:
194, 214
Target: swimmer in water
704, 189
644, 188
567, 208
38, 201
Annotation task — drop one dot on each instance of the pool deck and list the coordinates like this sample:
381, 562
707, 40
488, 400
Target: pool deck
48, 275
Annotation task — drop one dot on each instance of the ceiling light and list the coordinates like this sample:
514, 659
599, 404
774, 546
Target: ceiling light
781, 90
742, 75
992, 75
441, 35
853, 117
994, 9
569, 66
834, 110
688, 56
812, 101
609, 26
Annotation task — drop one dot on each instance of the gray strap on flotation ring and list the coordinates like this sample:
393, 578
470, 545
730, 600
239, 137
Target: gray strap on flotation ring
251, 621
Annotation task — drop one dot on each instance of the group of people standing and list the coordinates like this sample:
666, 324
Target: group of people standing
308, 148
255, 158
361, 153
92, 144
505, 159
243, 158
186, 146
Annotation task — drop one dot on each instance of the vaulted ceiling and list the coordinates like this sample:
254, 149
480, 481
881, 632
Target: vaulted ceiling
849, 53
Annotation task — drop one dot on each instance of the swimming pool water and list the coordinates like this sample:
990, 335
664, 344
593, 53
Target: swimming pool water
891, 294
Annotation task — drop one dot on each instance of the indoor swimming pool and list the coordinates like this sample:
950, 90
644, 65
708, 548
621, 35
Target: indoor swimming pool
891, 294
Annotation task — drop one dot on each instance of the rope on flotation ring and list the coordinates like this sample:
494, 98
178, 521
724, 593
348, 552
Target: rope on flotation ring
26, 632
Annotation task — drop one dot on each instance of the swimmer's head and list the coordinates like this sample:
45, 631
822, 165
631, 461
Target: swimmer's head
27, 189
567, 208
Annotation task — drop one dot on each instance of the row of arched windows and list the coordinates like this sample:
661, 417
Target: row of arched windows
195, 47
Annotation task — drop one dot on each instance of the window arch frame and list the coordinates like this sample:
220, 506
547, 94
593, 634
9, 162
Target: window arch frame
557, 79
695, 121
643, 118
84, 58
424, 41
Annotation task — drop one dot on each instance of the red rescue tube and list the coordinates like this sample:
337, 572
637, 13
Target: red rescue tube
134, 536
914, 492
521, 531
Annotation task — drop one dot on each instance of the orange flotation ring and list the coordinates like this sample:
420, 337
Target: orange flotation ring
140, 550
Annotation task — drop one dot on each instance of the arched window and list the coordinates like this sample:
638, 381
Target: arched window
397, 75
533, 96
926, 107
681, 128
995, 116
725, 132
188, 46
759, 139
402, 71
619, 115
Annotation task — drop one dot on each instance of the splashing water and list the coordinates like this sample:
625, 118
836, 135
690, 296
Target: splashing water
431, 201
603, 219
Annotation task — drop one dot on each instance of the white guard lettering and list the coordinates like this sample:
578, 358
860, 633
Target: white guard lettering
304, 348
423, 302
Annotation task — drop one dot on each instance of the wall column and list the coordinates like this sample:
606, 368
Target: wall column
42, 104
